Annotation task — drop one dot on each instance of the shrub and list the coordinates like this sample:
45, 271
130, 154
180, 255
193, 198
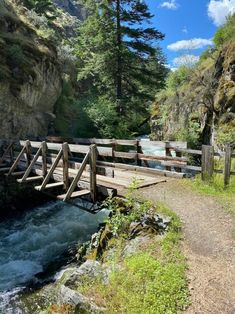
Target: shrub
226, 32
225, 134
16, 55
66, 54
190, 135
177, 78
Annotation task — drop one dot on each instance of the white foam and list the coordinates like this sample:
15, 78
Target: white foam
28, 245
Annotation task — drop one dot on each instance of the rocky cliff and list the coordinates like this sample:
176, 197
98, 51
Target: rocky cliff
198, 104
71, 7
30, 79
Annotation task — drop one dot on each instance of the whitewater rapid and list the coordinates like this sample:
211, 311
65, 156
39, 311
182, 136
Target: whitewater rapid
35, 240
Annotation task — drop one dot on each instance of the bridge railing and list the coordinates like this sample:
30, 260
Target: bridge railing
131, 155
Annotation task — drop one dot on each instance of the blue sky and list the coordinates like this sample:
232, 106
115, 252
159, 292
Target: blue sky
188, 24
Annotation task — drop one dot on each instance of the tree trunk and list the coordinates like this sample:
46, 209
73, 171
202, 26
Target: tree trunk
208, 129
119, 58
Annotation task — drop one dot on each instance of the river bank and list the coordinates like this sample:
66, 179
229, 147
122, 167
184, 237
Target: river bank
112, 266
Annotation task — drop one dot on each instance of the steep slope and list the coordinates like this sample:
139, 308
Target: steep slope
198, 104
71, 7
30, 78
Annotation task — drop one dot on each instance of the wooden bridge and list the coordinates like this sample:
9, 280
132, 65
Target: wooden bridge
71, 168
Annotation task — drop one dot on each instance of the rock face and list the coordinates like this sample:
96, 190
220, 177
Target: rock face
206, 98
30, 79
72, 7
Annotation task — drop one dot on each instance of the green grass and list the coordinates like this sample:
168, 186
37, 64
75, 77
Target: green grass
150, 281
215, 188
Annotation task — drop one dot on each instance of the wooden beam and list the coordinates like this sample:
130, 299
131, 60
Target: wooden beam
30, 167
13, 167
74, 194
161, 158
65, 148
207, 162
142, 169
124, 155
93, 184
28, 152
52, 169
139, 152
81, 149
77, 178
50, 186
227, 165
189, 151
168, 153
44, 159
30, 179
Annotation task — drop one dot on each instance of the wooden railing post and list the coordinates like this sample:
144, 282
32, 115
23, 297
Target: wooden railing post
65, 148
28, 153
207, 162
114, 148
139, 151
93, 185
44, 159
179, 155
168, 153
11, 153
227, 165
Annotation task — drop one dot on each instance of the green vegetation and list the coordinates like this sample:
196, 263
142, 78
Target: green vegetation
226, 32
119, 65
39, 6
151, 280
216, 188
198, 100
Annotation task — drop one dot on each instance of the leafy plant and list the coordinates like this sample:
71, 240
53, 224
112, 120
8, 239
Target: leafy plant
150, 281
225, 32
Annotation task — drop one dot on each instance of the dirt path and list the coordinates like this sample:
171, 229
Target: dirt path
209, 246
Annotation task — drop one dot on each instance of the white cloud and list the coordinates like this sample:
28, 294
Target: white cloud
171, 5
186, 60
195, 43
185, 30
218, 10
169, 66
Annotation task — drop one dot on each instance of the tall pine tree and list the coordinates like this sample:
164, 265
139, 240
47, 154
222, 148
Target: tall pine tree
119, 55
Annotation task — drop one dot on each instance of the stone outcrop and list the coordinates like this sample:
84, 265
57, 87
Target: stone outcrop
30, 78
206, 98
72, 7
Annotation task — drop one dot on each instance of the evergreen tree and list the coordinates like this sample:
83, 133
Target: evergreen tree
114, 45
118, 54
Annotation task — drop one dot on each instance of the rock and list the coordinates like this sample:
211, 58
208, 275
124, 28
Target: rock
81, 303
73, 277
149, 224
134, 245
30, 83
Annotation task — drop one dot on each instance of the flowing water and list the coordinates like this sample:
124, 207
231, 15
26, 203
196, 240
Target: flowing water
31, 243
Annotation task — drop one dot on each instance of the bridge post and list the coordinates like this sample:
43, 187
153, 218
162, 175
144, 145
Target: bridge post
168, 153
44, 159
227, 165
93, 184
65, 148
28, 153
207, 162
139, 151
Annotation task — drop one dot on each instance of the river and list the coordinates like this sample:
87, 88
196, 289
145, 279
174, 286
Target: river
31, 243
